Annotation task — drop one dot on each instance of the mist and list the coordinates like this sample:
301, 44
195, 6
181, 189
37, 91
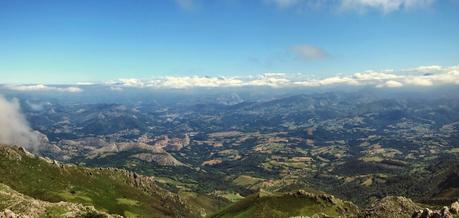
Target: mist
14, 128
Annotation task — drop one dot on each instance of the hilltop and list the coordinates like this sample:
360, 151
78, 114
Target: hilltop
112, 190
300, 203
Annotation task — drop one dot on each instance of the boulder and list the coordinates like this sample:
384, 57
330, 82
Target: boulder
454, 208
444, 212
426, 213
7, 214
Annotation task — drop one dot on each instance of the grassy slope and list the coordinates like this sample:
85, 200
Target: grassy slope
106, 189
30, 207
286, 205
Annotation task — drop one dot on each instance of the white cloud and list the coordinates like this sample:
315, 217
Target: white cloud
14, 128
41, 87
85, 83
330, 81
391, 84
132, 82
270, 79
427, 69
418, 81
419, 76
372, 75
385, 6
178, 82
308, 52
199, 81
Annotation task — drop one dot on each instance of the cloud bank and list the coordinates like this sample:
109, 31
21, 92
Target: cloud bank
420, 77
41, 87
423, 76
14, 127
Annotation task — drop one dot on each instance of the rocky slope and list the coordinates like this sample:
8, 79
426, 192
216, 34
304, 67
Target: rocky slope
312, 204
15, 204
113, 190
444, 212
391, 206
32, 186
294, 204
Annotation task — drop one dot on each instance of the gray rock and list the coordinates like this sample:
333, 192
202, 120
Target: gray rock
445, 212
7, 214
455, 208
426, 213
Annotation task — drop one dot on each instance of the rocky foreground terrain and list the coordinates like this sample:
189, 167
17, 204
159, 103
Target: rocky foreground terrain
17, 205
32, 186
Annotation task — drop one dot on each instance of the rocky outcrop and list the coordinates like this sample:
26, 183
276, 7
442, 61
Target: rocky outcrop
162, 200
445, 212
162, 159
344, 207
391, 206
17, 205
8, 214
455, 208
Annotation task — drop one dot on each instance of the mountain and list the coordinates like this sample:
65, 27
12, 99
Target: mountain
26, 206
112, 190
359, 147
300, 203
32, 186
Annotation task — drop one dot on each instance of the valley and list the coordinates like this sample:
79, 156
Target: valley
358, 147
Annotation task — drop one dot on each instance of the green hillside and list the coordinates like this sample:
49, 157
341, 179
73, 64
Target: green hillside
110, 190
300, 203
30, 207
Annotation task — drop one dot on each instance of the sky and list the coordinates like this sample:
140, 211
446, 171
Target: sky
71, 41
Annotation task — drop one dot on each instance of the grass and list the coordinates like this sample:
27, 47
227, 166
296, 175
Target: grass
129, 214
54, 211
282, 205
231, 196
245, 180
76, 197
126, 201
105, 189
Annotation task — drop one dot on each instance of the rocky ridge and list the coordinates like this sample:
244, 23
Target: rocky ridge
444, 212
17, 205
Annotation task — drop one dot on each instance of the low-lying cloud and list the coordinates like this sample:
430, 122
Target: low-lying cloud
14, 129
42, 87
419, 77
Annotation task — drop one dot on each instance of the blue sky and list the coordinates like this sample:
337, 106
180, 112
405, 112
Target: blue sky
68, 41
